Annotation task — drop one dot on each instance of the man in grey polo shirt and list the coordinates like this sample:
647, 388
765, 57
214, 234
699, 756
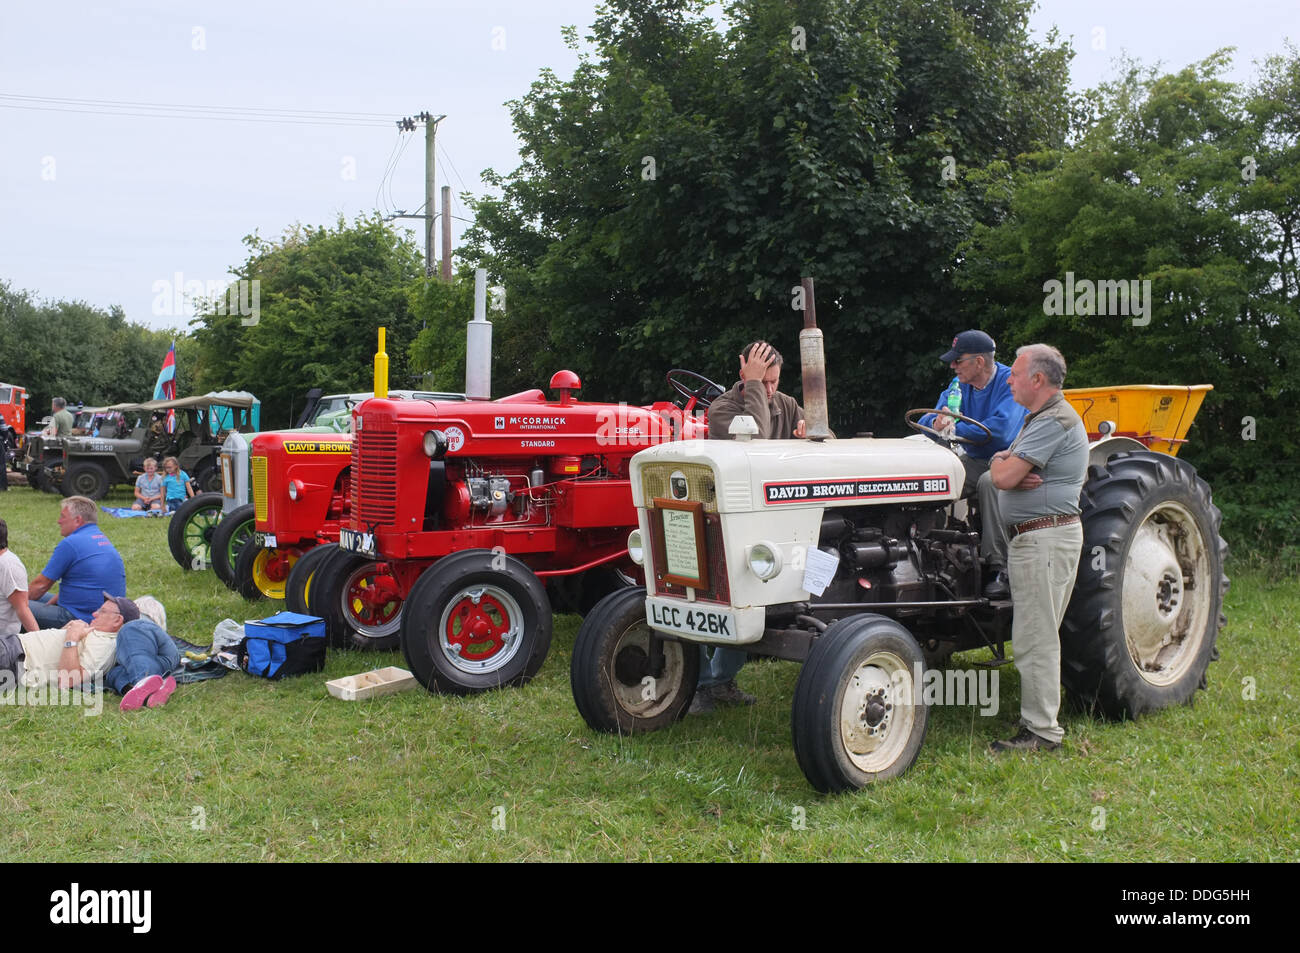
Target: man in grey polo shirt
1038, 479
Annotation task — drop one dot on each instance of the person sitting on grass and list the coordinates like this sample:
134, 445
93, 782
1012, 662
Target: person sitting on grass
146, 657
84, 564
149, 488
176, 484
15, 613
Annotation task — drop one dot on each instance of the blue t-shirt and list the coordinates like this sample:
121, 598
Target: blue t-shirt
85, 565
175, 485
994, 407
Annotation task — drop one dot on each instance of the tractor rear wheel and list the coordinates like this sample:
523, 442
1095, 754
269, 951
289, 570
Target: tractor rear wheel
298, 588
1147, 607
86, 479
474, 621
858, 716
615, 685
189, 536
262, 573
359, 600
232, 534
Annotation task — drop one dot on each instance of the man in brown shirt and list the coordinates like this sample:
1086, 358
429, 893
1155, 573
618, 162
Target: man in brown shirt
779, 416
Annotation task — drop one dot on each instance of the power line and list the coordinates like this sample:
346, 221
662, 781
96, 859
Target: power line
379, 191
185, 111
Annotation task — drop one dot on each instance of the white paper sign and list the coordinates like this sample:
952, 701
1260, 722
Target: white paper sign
680, 552
819, 570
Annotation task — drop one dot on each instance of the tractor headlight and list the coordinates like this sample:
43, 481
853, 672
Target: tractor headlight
764, 560
295, 489
435, 444
635, 551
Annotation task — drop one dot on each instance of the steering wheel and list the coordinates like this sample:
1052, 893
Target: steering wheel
920, 412
697, 389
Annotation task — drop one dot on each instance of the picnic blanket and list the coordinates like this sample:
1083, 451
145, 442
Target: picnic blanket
193, 669
123, 512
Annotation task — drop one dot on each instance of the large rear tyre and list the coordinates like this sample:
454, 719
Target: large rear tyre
86, 479
858, 716
298, 588
1147, 606
262, 573
189, 536
617, 685
232, 534
474, 621
359, 600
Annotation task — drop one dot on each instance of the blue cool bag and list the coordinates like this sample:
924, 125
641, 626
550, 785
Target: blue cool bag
284, 644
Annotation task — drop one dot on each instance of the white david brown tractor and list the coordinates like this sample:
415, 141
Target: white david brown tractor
733, 535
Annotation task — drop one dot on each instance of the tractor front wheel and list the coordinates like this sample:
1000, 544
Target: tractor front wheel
1147, 606
233, 533
263, 573
857, 715
359, 600
298, 588
476, 620
189, 536
623, 681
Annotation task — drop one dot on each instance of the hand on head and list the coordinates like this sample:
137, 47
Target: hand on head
760, 359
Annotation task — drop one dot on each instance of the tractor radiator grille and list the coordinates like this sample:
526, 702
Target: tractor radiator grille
699, 483
259, 489
374, 478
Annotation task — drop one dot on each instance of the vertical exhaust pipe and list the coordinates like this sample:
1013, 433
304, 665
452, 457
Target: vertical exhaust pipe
478, 344
812, 360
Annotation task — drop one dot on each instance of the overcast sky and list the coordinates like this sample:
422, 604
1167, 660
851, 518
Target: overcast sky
100, 204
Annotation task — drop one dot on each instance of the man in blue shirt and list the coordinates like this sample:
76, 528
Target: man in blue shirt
986, 397
84, 564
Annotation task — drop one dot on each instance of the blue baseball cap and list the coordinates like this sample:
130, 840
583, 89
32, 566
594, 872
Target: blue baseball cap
969, 342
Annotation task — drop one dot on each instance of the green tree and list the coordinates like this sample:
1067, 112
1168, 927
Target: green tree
1188, 182
443, 309
322, 294
676, 189
72, 350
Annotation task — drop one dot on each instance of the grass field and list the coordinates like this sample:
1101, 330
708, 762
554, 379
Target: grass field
243, 769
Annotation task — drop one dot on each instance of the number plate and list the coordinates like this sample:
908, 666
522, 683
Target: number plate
355, 542
704, 623
265, 540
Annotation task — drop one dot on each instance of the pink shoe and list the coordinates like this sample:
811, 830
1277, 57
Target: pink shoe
135, 698
159, 698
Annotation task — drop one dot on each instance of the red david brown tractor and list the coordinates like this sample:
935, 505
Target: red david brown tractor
736, 538
469, 520
301, 495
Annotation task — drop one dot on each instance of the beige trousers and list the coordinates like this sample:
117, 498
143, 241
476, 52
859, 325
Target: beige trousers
1041, 565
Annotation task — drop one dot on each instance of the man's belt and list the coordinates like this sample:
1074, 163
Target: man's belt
1041, 522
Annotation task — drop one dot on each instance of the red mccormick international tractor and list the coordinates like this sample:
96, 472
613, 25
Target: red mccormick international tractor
469, 519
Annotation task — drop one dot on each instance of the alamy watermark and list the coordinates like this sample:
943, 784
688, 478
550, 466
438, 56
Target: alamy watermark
242, 297
953, 686
1087, 297
51, 694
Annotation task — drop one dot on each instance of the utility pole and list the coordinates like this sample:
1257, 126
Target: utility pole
446, 233
430, 187
407, 124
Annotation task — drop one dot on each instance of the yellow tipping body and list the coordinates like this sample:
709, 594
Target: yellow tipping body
1156, 414
381, 368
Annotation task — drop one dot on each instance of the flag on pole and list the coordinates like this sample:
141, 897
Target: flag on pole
165, 387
